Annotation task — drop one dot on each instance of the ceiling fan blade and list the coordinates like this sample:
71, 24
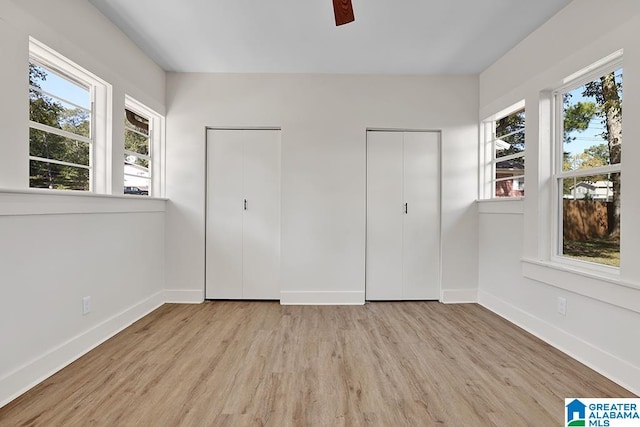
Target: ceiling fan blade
343, 11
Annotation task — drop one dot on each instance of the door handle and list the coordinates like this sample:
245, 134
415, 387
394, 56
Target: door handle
406, 208
245, 204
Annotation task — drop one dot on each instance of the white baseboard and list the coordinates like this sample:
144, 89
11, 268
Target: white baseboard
612, 367
322, 297
180, 296
459, 296
35, 371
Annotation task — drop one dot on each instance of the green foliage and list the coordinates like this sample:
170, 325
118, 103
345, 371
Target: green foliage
577, 116
594, 156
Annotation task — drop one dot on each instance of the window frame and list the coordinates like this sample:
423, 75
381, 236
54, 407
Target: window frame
580, 78
100, 116
156, 144
488, 157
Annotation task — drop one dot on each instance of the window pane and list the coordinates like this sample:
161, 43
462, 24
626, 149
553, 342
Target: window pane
510, 134
136, 122
510, 144
513, 171
136, 186
54, 83
137, 176
591, 218
55, 111
134, 165
54, 176
136, 143
51, 146
592, 123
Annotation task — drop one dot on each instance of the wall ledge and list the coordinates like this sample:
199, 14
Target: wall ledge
609, 289
510, 206
45, 202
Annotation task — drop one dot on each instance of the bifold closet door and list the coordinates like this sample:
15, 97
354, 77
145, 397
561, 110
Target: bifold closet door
421, 240
243, 214
403, 216
261, 216
225, 160
385, 207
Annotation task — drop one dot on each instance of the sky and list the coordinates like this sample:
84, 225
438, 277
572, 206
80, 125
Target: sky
65, 89
591, 136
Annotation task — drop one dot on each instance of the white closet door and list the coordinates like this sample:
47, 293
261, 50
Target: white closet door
224, 214
421, 251
261, 219
385, 207
403, 216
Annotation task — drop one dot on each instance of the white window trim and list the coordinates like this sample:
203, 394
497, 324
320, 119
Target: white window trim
588, 74
101, 100
487, 154
156, 144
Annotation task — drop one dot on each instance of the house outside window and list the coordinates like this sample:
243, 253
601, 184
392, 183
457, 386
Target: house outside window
504, 154
587, 172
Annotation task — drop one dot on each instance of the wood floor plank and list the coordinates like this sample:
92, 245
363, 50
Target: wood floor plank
263, 364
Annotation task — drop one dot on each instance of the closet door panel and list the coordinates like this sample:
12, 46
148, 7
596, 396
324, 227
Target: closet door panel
385, 208
261, 218
224, 215
421, 250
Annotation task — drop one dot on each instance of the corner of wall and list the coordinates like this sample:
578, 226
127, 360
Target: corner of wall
35, 371
459, 296
183, 296
612, 367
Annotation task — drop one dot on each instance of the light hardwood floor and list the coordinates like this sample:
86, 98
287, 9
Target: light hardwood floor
259, 363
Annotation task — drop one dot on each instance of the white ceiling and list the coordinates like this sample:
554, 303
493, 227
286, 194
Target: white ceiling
300, 36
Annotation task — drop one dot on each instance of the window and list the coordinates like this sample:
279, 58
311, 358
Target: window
504, 153
67, 124
142, 138
587, 172
60, 140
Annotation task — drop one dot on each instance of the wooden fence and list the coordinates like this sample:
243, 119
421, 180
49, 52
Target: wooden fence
583, 220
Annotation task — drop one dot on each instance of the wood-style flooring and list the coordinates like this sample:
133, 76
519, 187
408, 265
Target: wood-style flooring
260, 363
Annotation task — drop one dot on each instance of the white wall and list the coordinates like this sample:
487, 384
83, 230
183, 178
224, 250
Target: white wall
324, 120
55, 249
603, 316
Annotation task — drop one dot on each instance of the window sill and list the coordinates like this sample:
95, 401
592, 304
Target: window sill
602, 286
507, 205
56, 202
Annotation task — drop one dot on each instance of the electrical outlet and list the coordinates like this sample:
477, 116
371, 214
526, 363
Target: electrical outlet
86, 305
562, 306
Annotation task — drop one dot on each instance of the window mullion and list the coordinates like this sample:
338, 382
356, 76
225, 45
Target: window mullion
508, 178
509, 157
58, 162
600, 170
133, 153
127, 128
59, 132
